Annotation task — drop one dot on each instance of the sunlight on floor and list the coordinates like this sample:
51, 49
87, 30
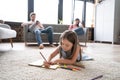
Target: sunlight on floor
7, 47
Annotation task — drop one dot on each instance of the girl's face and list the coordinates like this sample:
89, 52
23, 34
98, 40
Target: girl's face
66, 45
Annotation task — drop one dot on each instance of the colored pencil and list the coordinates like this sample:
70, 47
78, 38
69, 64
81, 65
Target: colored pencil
43, 57
100, 76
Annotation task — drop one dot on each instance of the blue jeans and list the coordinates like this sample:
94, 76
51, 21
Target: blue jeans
48, 31
79, 31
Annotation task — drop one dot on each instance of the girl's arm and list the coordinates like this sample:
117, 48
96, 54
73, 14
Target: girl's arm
69, 61
48, 62
53, 54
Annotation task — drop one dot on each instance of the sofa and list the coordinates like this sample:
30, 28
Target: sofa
57, 30
7, 33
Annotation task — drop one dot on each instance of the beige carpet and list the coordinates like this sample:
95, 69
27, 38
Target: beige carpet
14, 63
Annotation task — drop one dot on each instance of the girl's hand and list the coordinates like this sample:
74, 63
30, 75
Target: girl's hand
46, 64
57, 61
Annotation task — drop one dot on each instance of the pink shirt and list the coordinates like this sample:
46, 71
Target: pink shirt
72, 27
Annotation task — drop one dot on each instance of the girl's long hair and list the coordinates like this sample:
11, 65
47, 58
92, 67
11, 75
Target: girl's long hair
71, 37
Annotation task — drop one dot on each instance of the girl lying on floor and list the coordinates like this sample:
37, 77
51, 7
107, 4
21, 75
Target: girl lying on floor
69, 50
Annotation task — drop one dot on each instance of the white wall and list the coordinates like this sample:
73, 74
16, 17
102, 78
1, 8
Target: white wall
117, 21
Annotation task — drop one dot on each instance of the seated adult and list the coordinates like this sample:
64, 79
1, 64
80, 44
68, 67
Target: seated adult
37, 28
77, 27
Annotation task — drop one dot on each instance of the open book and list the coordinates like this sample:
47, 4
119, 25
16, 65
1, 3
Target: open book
39, 63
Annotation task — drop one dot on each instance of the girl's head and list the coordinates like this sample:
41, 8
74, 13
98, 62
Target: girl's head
69, 41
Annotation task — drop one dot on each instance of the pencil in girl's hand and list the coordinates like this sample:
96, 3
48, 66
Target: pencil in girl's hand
43, 57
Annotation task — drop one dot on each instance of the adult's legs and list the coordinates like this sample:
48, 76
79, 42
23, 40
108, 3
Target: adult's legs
49, 32
79, 31
37, 33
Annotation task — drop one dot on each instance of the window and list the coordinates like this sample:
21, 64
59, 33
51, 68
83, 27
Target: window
46, 11
13, 10
89, 14
67, 11
78, 10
